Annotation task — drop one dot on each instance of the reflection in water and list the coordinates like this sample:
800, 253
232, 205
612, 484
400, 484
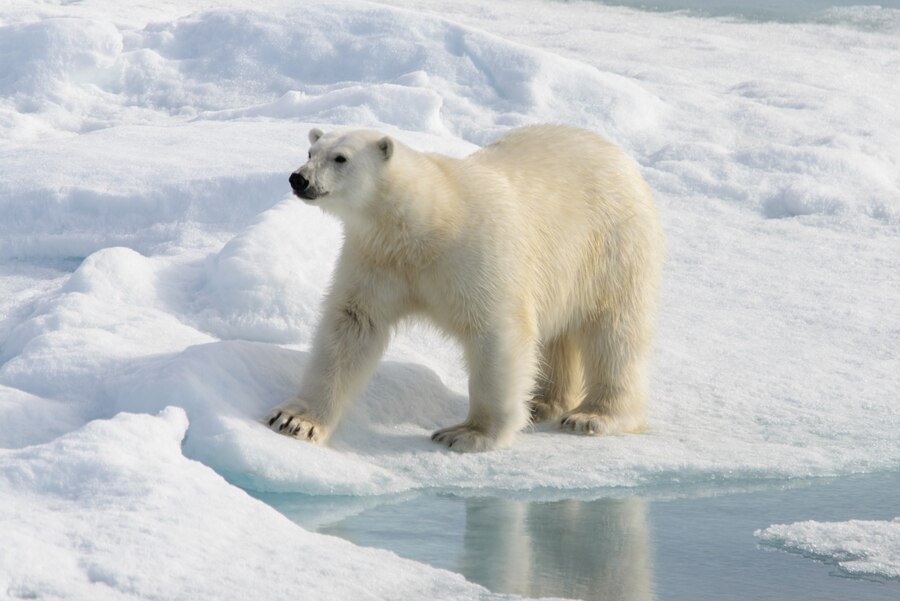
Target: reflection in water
586, 550
702, 540
594, 550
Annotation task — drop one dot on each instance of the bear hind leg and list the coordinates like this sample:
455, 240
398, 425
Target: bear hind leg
615, 398
560, 383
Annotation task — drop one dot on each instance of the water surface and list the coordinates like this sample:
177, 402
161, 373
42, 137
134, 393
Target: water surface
666, 545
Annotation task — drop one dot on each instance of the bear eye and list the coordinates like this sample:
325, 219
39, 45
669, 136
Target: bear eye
340, 159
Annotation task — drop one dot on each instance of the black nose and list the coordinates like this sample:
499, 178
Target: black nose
298, 182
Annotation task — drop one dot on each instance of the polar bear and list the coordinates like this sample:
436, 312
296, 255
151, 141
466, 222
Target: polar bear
540, 253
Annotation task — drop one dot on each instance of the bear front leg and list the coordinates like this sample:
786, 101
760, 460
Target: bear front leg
352, 336
294, 419
502, 368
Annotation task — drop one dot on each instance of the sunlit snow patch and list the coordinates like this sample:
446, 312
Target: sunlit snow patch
858, 547
114, 510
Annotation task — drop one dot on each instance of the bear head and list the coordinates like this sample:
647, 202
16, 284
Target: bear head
343, 171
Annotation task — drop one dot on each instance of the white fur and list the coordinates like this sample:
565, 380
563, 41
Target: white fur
540, 253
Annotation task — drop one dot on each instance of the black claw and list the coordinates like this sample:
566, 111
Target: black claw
434, 436
311, 433
277, 415
286, 424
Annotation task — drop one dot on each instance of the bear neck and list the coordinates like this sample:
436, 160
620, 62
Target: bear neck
413, 217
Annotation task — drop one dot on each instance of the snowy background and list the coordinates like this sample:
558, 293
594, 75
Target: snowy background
152, 256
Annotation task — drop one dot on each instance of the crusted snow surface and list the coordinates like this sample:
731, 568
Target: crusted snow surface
151, 255
859, 547
114, 510
156, 258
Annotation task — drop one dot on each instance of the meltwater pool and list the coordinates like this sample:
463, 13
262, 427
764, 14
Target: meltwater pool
653, 544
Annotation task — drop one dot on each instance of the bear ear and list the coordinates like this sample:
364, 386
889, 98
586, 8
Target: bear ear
386, 146
314, 135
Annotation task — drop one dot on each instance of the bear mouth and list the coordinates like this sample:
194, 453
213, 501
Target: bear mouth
309, 195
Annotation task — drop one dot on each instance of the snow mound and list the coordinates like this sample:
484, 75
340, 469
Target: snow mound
371, 65
237, 299
858, 547
110, 311
115, 511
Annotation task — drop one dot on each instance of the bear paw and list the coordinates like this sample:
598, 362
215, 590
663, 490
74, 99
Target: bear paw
464, 438
595, 424
542, 411
296, 422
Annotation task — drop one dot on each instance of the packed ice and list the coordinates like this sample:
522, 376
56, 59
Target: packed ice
858, 547
114, 510
152, 256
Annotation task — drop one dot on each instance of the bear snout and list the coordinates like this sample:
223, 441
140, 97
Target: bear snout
298, 182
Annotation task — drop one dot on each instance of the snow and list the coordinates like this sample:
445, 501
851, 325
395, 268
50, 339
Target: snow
858, 547
152, 256
114, 510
